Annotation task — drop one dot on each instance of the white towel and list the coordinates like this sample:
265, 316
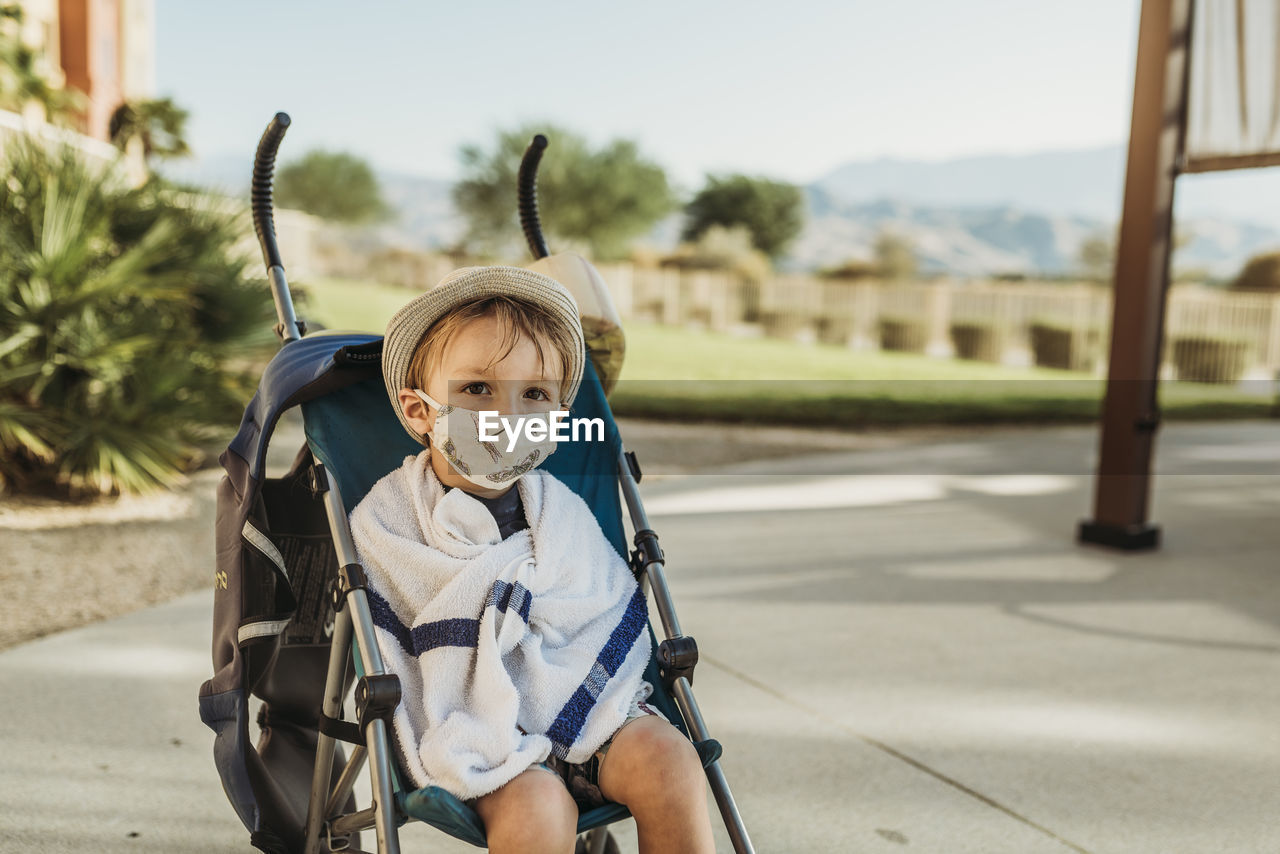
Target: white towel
507, 650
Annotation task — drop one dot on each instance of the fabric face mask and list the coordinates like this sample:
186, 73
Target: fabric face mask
456, 434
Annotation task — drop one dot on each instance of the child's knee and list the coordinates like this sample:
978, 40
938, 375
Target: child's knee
658, 760
534, 812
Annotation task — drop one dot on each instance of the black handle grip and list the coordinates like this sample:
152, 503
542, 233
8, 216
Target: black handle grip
527, 196
264, 164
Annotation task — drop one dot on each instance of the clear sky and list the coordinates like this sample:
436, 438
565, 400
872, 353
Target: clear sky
789, 89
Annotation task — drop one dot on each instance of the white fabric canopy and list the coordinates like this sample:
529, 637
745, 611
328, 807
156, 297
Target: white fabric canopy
1233, 118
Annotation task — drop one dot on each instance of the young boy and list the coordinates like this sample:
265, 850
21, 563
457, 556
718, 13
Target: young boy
517, 631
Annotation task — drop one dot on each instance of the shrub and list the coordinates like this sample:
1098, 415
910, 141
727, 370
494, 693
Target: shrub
119, 310
902, 334
782, 324
1261, 274
834, 329
979, 341
1064, 347
1208, 359
850, 271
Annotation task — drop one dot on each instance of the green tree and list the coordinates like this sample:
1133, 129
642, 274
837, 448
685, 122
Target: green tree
773, 211
895, 255
1097, 255
160, 124
332, 185
120, 310
1261, 273
21, 80
600, 198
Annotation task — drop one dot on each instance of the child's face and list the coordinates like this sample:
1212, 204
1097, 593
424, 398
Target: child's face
518, 384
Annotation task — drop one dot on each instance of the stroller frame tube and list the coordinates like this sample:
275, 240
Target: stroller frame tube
655, 574
354, 619
288, 328
348, 779
332, 708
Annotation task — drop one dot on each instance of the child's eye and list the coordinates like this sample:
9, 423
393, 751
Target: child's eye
475, 388
537, 394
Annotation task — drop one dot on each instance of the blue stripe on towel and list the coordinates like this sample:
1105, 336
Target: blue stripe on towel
426, 637
568, 724
511, 597
456, 632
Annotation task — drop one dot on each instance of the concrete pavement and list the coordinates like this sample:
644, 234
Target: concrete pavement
903, 650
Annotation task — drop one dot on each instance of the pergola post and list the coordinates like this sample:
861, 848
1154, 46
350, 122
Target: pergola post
1130, 413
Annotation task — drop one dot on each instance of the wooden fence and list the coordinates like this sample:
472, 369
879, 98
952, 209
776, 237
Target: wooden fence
1210, 335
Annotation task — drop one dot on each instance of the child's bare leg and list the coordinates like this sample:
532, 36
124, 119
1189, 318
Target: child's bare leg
533, 814
655, 771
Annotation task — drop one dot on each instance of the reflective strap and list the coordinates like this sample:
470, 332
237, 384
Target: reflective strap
264, 545
249, 631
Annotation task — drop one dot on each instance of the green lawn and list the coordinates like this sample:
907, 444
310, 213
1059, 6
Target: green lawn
686, 374
342, 304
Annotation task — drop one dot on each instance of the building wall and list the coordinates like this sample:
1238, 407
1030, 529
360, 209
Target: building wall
89, 40
138, 37
107, 51
103, 48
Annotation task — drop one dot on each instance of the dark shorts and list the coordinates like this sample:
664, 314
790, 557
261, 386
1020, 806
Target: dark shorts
582, 779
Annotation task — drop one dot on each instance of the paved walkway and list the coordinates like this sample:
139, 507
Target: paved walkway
904, 650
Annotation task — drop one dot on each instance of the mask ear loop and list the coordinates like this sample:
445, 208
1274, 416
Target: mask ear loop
426, 401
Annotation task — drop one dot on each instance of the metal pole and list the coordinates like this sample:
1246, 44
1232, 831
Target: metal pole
316, 814
715, 775
287, 320
376, 734
655, 577
1130, 412
348, 779
682, 690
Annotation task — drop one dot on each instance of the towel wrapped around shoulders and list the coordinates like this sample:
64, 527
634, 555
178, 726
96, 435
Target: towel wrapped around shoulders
508, 650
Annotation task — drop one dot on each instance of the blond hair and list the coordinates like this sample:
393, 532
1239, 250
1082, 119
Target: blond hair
516, 317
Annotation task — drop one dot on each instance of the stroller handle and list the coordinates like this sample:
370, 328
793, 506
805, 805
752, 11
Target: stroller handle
264, 164
527, 195
289, 328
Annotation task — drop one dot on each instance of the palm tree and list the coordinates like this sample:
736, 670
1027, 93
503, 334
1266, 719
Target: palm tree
160, 124
120, 312
21, 81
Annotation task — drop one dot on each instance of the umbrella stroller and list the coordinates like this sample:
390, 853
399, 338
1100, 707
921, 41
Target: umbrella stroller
292, 625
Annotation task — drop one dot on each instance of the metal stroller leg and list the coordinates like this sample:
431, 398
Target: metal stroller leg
715, 775
376, 694
348, 779
597, 841
316, 807
682, 652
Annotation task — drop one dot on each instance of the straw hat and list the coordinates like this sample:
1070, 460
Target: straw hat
411, 323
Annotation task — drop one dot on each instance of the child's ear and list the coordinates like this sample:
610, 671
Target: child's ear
416, 411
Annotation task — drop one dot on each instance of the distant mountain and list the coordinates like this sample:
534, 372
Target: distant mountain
1082, 183
1086, 183
969, 216
1026, 213
999, 239
971, 241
